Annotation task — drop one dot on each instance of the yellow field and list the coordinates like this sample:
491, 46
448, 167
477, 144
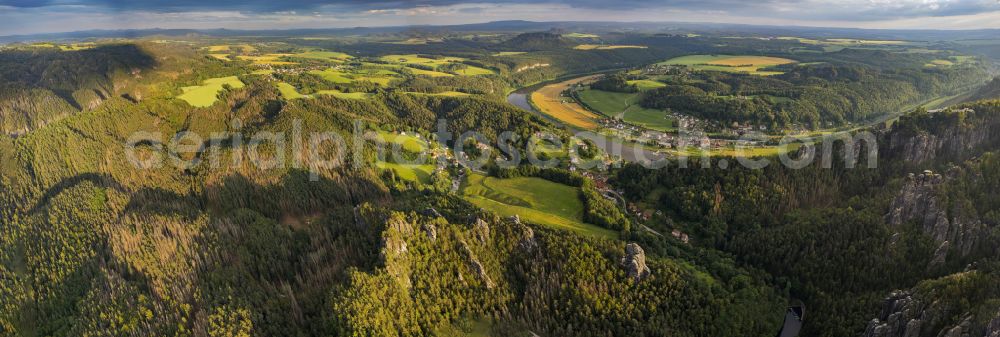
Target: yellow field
225, 48
414, 58
606, 47
270, 59
548, 101
730, 63
77, 46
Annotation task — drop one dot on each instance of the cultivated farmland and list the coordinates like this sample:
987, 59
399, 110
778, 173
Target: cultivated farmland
549, 100
730, 63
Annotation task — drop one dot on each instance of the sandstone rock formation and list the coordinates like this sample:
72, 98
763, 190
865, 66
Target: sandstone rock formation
635, 262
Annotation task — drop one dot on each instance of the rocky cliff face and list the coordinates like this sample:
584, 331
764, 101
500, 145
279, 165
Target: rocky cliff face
917, 147
919, 201
905, 314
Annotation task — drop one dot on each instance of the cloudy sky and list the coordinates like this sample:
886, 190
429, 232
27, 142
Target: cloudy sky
47, 16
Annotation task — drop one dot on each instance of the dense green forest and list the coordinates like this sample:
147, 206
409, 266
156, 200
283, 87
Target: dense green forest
815, 95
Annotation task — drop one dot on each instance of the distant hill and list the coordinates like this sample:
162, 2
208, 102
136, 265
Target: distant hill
537, 41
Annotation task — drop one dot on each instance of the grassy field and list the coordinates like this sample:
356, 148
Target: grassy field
430, 73
473, 71
332, 75
381, 76
205, 95
418, 173
416, 59
646, 84
607, 47
435, 63
443, 94
510, 53
408, 142
730, 63
548, 101
534, 200
625, 106
348, 95
288, 91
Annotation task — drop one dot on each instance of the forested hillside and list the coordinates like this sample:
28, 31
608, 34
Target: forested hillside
392, 233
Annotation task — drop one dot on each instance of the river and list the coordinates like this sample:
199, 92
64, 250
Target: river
630, 152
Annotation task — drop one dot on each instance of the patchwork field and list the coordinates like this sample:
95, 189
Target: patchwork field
625, 106
323, 55
77, 46
534, 200
951, 61
381, 76
206, 94
606, 47
549, 101
268, 59
333, 75
730, 63
417, 59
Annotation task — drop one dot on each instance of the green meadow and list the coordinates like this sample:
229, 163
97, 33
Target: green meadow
418, 173
408, 142
647, 84
534, 200
206, 94
289, 92
625, 106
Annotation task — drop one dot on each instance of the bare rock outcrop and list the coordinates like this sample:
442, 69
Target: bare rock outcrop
906, 315
921, 147
634, 262
476, 266
481, 230
993, 329
919, 201
394, 249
